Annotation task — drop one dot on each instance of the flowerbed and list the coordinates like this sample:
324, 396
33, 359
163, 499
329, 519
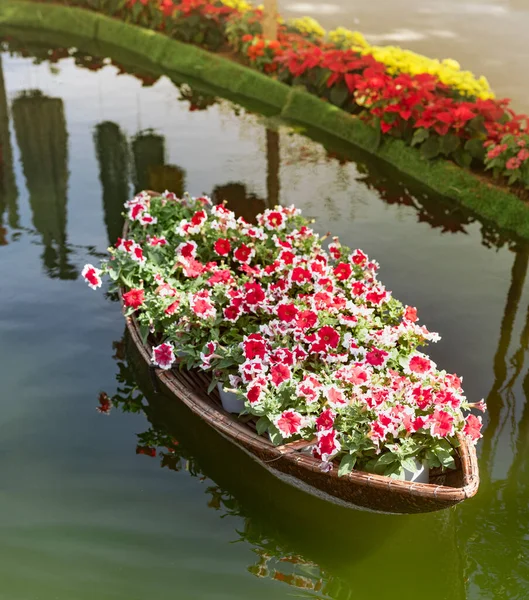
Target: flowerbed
430, 104
307, 336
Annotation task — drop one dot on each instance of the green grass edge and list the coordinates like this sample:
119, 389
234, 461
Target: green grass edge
294, 105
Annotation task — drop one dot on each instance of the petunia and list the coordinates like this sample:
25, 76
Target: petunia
287, 312
472, 427
325, 421
306, 319
289, 423
279, 374
328, 444
147, 219
187, 249
336, 396
207, 354
343, 271
201, 305
274, 219
163, 356
359, 258
222, 247
134, 298
442, 423
92, 276
254, 294
172, 308
244, 254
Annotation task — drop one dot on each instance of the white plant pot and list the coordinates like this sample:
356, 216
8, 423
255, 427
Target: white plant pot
421, 474
230, 402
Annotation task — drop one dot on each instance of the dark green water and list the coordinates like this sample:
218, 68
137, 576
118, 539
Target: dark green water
82, 515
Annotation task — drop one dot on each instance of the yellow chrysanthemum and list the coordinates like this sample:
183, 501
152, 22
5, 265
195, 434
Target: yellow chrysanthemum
241, 5
344, 38
307, 26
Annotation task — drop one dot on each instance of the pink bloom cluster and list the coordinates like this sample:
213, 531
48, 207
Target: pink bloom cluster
307, 335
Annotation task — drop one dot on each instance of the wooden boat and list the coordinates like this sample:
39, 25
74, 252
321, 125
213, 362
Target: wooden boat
357, 490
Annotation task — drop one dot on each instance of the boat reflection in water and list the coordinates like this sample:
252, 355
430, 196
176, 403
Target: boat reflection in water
298, 539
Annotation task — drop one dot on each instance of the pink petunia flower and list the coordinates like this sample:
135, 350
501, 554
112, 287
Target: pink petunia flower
163, 356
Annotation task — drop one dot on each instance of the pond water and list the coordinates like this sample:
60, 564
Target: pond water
85, 510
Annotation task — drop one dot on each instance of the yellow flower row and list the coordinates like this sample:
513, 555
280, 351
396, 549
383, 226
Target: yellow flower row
397, 60
241, 5
308, 26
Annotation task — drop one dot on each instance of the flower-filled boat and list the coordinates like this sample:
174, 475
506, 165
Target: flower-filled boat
318, 361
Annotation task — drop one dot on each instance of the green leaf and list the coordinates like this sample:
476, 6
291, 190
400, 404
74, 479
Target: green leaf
113, 274
449, 144
212, 385
445, 458
431, 147
476, 149
387, 459
409, 465
144, 332
420, 136
346, 465
126, 281
462, 158
262, 425
276, 438
339, 94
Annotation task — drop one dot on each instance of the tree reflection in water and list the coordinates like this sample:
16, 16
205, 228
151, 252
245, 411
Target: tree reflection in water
113, 158
8, 188
495, 525
42, 138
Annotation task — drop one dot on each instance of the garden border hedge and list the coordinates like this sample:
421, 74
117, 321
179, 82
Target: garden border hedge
291, 104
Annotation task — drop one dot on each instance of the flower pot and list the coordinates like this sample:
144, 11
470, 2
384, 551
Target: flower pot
230, 402
421, 474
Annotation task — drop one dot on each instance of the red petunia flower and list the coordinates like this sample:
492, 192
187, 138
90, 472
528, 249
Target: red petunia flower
328, 337
134, 298
92, 276
306, 319
222, 247
289, 423
359, 258
410, 314
325, 421
328, 445
244, 254
287, 312
376, 357
343, 271
472, 427
442, 423
301, 275
172, 308
254, 293
279, 374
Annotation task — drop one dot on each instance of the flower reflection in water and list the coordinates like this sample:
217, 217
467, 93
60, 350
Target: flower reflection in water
272, 559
